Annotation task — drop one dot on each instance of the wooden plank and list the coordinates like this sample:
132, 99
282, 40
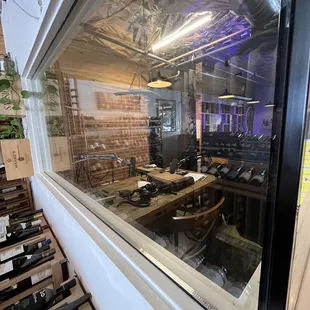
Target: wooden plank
59, 150
17, 158
159, 206
167, 176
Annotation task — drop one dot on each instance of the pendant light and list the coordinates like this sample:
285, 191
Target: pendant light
269, 105
229, 95
226, 95
253, 101
159, 82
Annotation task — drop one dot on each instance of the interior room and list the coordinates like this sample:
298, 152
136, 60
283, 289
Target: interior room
161, 111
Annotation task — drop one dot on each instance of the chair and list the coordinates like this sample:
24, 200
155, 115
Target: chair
205, 221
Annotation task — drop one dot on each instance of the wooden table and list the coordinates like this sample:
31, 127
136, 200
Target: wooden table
160, 205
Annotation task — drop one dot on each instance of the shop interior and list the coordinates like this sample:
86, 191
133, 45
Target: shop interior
162, 112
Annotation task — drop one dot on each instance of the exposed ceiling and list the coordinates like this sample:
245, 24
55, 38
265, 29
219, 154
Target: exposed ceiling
141, 23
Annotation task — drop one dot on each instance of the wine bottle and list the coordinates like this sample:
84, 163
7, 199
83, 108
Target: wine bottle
25, 214
246, 176
22, 226
214, 170
21, 264
11, 189
74, 305
259, 179
25, 284
17, 236
20, 217
224, 171
11, 197
43, 299
233, 174
23, 249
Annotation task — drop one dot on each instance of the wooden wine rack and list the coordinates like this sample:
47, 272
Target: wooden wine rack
23, 202
58, 276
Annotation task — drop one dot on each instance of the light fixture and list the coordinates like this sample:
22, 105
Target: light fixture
159, 82
226, 95
137, 92
269, 104
229, 95
182, 31
253, 101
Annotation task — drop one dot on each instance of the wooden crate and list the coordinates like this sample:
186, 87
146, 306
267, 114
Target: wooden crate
17, 158
59, 149
55, 265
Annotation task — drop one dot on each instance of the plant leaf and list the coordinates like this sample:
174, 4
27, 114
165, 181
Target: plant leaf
16, 107
4, 100
4, 84
24, 94
14, 122
2, 117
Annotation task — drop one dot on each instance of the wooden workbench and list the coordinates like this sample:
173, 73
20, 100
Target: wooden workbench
160, 205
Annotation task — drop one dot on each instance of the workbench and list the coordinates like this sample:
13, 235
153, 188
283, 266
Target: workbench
160, 205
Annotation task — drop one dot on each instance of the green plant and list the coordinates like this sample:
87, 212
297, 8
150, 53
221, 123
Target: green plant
11, 99
7, 85
56, 127
14, 130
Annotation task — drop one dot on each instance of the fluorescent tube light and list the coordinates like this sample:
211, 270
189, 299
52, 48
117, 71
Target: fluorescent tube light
185, 29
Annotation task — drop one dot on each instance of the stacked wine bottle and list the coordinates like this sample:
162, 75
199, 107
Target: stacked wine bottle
33, 270
239, 173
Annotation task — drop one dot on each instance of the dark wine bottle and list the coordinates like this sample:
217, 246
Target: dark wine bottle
17, 236
246, 176
23, 249
43, 299
25, 214
259, 179
214, 170
11, 189
22, 226
20, 264
224, 171
233, 174
13, 219
25, 284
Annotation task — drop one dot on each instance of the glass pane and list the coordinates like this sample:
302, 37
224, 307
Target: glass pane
161, 111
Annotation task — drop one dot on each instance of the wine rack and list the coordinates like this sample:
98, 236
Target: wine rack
47, 273
237, 146
15, 196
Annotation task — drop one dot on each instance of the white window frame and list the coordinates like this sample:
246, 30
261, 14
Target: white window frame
175, 271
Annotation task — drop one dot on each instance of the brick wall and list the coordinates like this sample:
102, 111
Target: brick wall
123, 130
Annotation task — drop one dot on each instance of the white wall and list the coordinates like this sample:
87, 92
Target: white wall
26, 25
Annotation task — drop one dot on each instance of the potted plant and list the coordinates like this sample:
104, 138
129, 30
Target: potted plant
16, 154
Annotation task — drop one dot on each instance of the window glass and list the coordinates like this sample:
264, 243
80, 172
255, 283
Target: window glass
161, 111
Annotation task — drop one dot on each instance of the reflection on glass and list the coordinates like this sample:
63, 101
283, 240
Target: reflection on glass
167, 112
185, 165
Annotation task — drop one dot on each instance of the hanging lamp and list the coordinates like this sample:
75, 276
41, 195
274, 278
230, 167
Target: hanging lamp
159, 82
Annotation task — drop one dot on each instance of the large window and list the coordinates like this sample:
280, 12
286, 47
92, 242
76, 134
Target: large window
161, 112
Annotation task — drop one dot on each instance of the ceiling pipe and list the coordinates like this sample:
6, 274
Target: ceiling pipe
239, 68
240, 76
91, 31
209, 53
201, 47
